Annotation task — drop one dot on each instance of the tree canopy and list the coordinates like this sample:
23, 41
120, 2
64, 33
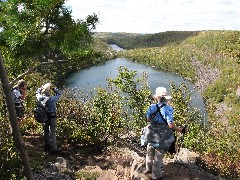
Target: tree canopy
32, 32
36, 31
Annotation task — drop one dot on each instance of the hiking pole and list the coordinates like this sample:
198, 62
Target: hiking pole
181, 142
182, 137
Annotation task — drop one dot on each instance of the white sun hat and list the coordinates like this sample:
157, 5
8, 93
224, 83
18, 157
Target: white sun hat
46, 87
162, 91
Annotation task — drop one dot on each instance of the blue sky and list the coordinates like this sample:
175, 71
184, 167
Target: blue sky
153, 16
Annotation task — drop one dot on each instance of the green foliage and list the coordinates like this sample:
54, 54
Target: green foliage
108, 114
72, 119
9, 159
136, 94
87, 175
94, 121
223, 43
185, 114
42, 31
80, 32
216, 92
180, 103
10, 166
220, 140
177, 59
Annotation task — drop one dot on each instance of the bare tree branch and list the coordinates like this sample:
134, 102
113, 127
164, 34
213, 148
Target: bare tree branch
32, 69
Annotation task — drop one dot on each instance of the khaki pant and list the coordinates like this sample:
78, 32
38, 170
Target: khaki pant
154, 161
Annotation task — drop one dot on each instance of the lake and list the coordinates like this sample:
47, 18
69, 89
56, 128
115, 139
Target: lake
95, 76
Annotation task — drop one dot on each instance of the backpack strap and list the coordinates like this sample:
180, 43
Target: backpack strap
158, 111
44, 101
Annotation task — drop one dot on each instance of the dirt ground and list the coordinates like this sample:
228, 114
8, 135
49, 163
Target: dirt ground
101, 160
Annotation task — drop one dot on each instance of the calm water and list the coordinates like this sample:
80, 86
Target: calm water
95, 76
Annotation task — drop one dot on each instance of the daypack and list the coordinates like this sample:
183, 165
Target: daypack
39, 112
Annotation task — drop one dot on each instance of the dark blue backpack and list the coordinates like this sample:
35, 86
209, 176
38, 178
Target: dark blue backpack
39, 112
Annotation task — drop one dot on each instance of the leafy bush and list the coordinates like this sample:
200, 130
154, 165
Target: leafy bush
98, 119
87, 175
135, 92
108, 114
10, 164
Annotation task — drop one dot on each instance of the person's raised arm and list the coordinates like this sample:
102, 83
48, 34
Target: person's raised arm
57, 95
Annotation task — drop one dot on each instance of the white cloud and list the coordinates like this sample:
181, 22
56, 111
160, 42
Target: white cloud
152, 16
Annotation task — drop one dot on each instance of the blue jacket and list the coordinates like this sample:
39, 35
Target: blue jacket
166, 111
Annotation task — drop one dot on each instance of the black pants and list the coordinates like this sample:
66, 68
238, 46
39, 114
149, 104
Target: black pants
20, 112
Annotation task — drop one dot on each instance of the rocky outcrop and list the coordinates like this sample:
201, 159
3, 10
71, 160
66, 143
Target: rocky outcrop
57, 170
126, 164
205, 75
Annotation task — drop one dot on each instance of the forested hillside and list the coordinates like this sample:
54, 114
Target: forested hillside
136, 41
210, 59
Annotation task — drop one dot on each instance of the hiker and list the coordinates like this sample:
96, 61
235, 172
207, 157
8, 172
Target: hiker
19, 95
160, 126
49, 127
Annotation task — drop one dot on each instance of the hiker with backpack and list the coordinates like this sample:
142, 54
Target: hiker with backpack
159, 133
49, 101
19, 95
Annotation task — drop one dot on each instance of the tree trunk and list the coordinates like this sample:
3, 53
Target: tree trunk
14, 122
